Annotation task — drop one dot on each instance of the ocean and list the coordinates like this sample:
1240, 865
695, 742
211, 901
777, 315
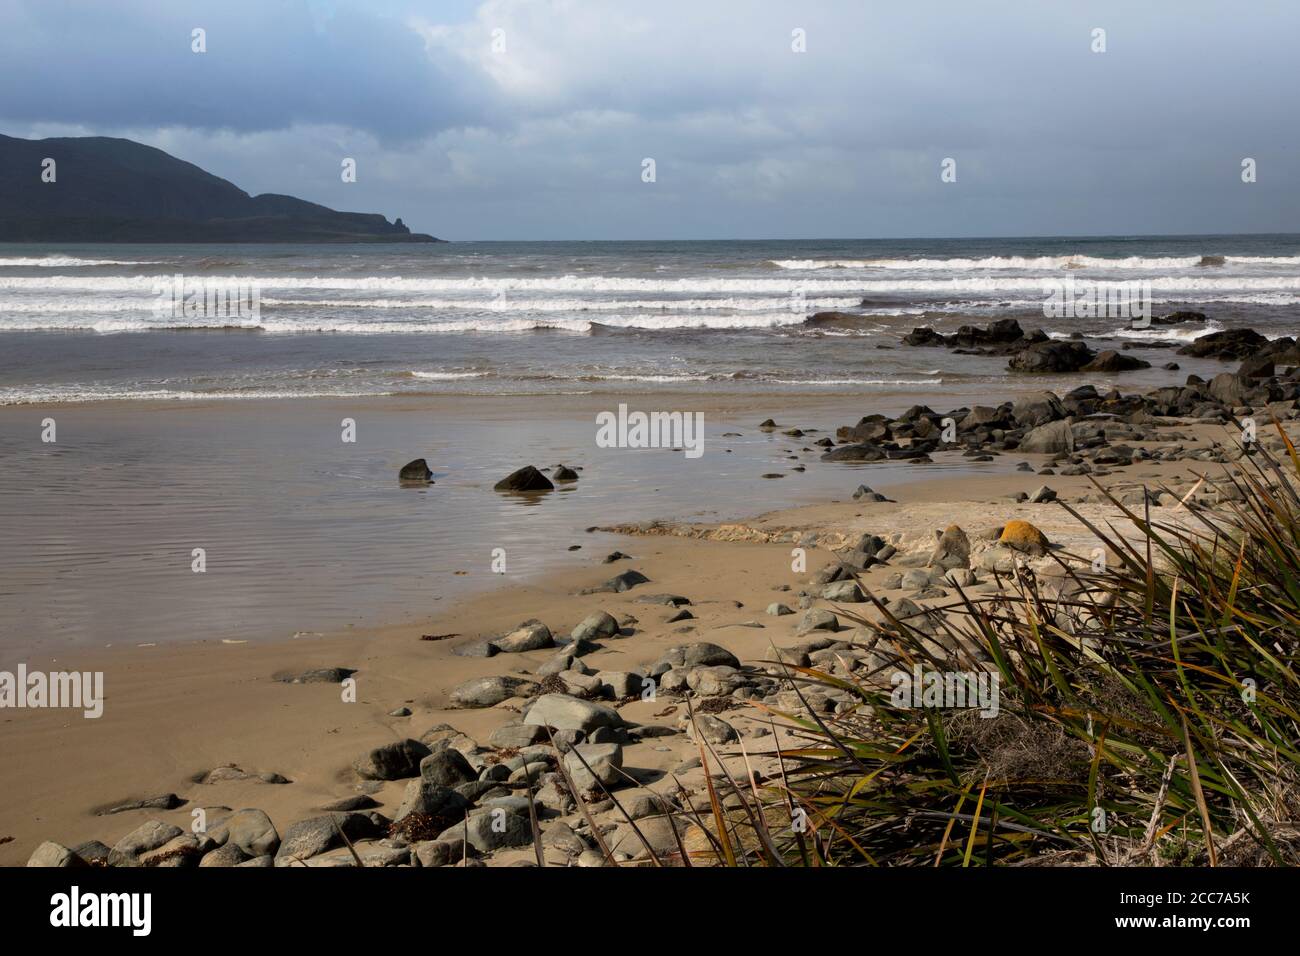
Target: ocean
83, 323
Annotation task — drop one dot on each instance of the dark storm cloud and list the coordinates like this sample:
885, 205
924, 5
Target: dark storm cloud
542, 135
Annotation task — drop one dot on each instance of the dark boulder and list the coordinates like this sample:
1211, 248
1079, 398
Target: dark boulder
863, 452
1039, 408
1259, 366
1228, 344
1112, 361
417, 470
1052, 357
527, 478
924, 336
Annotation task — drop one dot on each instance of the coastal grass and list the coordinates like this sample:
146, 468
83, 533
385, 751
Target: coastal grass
1149, 711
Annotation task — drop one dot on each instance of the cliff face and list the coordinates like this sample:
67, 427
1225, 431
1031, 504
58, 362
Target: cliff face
116, 190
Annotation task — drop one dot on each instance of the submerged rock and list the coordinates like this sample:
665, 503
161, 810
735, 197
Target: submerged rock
527, 478
416, 471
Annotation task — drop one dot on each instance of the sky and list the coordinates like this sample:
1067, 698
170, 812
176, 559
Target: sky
533, 119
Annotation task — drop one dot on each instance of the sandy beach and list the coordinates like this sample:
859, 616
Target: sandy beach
176, 711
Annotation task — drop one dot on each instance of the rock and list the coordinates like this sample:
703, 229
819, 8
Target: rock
1229, 389
165, 801
620, 684
984, 416
711, 729
562, 712
817, 619
440, 804
564, 473
488, 691
866, 494
952, 549
843, 592
308, 838
705, 654
50, 854
250, 830
93, 852
1037, 408
526, 479
320, 675
1054, 356
717, 681
180, 851
860, 452
231, 773
226, 855
1258, 366
394, 761
359, 801
662, 833
417, 471
581, 685
528, 636
479, 649
778, 610
1229, 344
148, 836
489, 830
516, 735
594, 626
1023, 536
916, 579
626, 581
446, 768
1112, 361
605, 762
373, 856
667, 600
1042, 495
434, 853
1054, 438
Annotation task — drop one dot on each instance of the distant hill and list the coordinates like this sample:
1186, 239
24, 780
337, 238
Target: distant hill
116, 190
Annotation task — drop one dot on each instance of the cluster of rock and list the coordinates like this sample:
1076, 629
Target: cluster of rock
525, 480
1084, 428
463, 800
1037, 352
1029, 352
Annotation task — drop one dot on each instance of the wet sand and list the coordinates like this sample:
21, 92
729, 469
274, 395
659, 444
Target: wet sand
302, 532
177, 710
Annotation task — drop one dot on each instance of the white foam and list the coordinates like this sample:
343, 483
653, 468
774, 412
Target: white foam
60, 262
901, 382
68, 394
448, 376
1025, 263
507, 304
491, 287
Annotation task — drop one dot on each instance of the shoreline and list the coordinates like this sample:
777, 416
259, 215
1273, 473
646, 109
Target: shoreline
174, 714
